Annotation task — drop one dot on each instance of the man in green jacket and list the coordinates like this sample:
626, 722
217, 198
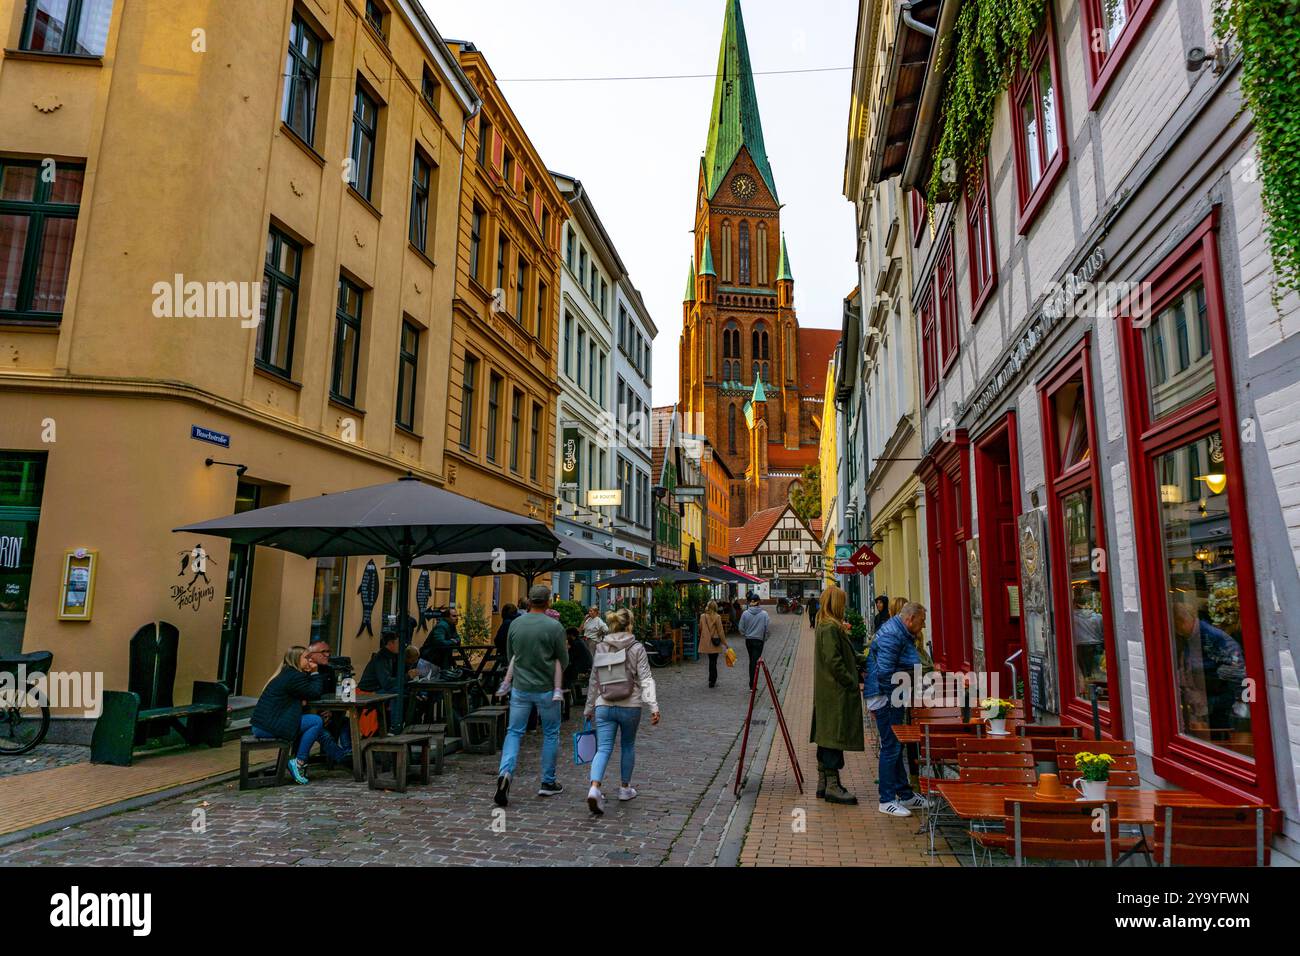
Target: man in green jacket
535, 643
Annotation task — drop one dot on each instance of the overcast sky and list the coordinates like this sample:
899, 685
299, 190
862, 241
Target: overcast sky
636, 144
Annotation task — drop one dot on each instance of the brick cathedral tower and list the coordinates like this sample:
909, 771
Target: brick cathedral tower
751, 380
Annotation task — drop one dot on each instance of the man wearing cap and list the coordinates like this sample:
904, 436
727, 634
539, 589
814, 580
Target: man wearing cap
535, 642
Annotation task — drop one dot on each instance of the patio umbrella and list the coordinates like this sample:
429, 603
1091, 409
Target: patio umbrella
648, 577
405, 518
573, 555
731, 575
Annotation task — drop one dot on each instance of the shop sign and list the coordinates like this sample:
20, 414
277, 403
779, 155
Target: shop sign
191, 595
569, 459
1059, 302
604, 497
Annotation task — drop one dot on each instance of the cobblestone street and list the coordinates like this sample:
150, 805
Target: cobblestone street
684, 772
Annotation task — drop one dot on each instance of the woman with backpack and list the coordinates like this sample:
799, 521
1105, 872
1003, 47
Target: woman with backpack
620, 683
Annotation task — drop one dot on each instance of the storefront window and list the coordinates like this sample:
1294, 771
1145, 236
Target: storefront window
1209, 669
1087, 630
1179, 359
327, 601
22, 482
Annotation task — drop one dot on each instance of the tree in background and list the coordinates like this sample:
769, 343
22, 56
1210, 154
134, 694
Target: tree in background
806, 496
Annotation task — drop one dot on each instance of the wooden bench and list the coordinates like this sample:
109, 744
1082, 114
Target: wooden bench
400, 747
484, 729
266, 777
145, 710
438, 734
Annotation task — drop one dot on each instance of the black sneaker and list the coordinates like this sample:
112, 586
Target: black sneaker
503, 790
550, 789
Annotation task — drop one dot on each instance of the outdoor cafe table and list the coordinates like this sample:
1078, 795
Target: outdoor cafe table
453, 689
976, 801
915, 733
331, 704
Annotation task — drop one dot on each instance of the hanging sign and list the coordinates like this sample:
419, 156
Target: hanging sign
368, 590
864, 560
569, 459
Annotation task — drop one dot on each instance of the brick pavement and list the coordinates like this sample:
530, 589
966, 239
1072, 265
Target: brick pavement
684, 770
793, 829
44, 757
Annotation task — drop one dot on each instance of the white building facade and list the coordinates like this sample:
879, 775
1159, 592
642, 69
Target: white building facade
634, 335
1105, 361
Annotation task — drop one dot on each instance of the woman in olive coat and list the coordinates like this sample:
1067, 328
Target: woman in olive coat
837, 700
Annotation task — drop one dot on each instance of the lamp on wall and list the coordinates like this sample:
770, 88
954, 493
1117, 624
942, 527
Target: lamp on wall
1215, 481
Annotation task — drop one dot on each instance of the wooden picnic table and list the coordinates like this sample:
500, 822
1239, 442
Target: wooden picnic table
452, 689
331, 704
977, 801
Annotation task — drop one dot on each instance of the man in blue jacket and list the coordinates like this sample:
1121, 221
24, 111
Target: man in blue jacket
893, 651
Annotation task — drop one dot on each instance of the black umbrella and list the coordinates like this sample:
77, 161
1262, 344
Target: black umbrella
573, 555
405, 518
727, 576
648, 577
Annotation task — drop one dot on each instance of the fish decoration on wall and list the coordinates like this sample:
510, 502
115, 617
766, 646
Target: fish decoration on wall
369, 591
423, 591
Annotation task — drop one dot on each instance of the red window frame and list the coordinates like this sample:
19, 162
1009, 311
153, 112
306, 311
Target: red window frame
1033, 197
981, 249
919, 212
1060, 483
1185, 760
1102, 65
929, 349
945, 295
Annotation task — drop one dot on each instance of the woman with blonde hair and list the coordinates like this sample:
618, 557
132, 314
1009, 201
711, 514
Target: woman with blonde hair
837, 705
278, 714
620, 683
713, 639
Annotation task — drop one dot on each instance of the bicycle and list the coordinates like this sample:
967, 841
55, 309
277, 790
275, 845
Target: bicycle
24, 718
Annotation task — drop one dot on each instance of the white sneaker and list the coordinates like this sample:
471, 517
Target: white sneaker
626, 793
895, 809
558, 695
596, 801
915, 802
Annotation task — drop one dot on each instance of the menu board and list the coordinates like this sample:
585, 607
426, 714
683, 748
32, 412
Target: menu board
77, 592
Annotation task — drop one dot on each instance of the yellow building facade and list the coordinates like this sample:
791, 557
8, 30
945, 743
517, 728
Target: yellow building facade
503, 386
231, 285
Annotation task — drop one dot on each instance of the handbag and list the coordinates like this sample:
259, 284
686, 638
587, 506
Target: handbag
584, 744
731, 657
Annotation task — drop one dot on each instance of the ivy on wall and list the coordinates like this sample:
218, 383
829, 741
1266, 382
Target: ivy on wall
1267, 34
991, 39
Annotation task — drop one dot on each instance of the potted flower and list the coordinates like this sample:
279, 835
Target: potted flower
995, 712
1094, 771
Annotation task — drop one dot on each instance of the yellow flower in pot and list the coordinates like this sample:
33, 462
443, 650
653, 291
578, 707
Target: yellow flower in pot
996, 711
1094, 771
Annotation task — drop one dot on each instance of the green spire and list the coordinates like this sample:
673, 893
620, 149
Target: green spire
759, 394
783, 269
735, 121
690, 283
707, 268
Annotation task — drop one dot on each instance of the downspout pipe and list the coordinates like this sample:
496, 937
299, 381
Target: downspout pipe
914, 23
928, 108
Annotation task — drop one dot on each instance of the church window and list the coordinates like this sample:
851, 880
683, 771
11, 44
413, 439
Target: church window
762, 254
744, 253
708, 350
789, 353
731, 428
726, 251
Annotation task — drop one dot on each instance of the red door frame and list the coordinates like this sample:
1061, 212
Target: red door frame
990, 596
1083, 475
1187, 761
946, 476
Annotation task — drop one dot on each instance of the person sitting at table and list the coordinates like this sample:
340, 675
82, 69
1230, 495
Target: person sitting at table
437, 647
417, 668
279, 712
380, 675
579, 656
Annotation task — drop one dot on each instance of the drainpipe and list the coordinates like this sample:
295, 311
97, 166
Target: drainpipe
928, 109
912, 22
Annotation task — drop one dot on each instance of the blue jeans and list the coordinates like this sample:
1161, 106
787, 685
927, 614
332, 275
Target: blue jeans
522, 703
310, 729
608, 721
894, 783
